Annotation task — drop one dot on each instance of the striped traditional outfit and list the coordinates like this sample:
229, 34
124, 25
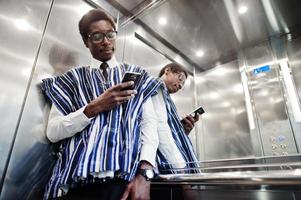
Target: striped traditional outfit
180, 138
112, 140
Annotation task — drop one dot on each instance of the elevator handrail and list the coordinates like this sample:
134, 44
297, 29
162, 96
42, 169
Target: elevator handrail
272, 178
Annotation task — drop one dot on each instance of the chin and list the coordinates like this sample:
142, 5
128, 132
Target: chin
105, 57
171, 91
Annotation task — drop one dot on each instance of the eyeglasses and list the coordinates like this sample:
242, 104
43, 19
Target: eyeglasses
181, 77
98, 37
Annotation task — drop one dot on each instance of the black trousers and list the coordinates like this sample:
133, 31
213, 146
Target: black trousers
109, 190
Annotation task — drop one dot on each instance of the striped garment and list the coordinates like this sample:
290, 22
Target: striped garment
111, 141
181, 139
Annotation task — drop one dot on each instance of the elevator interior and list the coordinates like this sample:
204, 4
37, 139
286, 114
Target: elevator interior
244, 62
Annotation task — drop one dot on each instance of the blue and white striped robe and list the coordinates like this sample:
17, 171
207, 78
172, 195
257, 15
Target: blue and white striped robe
111, 141
180, 138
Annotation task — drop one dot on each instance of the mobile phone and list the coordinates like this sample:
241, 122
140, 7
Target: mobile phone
199, 111
131, 76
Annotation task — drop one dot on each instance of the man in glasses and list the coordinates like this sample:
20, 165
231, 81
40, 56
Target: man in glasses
175, 150
99, 135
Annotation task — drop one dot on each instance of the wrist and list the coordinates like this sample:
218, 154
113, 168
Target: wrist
146, 174
145, 165
90, 110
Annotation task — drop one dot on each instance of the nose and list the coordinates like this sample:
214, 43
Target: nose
105, 40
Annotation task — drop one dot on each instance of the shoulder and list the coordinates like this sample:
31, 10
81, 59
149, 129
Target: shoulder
132, 68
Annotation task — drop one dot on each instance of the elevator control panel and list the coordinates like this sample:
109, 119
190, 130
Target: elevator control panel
278, 139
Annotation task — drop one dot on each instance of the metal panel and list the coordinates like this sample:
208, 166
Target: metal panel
268, 102
22, 24
294, 59
294, 56
62, 48
191, 192
225, 129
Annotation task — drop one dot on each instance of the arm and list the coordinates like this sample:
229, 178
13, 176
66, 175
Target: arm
167, 145
61, 127
139, 187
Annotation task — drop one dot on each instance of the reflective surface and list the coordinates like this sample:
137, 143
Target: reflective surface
33, 156
225, 122
247, 114
221, 43
214, 31
22, 24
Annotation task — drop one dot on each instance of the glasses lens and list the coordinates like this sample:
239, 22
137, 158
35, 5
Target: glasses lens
97, 37
181, 78
111, 35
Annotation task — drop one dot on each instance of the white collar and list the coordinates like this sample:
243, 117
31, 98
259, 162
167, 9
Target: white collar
96, 63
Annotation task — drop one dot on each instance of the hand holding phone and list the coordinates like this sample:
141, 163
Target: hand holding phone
199, 111
131, 76
189, 121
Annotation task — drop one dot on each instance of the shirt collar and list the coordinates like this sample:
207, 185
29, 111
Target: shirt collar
96, 63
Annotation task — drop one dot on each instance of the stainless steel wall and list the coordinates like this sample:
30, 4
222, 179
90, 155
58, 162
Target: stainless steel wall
246, 114
61, 48
269, 103
225, 123
22, 25
293, 47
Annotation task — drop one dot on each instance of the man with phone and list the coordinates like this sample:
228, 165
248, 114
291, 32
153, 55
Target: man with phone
175, 150
100, 139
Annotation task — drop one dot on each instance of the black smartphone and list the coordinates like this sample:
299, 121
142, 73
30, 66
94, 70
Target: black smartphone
131, 76
199, 111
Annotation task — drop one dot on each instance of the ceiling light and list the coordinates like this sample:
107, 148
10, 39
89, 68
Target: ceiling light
243, 9
200, 53
162, 21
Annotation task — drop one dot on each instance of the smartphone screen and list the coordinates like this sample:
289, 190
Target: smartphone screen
199, 111
131, 76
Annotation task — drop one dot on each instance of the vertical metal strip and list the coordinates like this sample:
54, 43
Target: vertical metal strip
24, 100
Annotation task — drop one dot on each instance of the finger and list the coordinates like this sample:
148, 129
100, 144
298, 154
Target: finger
190, 118
125, 93
121, 86
188, 123
197, 117
121, 100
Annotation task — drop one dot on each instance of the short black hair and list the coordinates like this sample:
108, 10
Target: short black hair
174, 67
90, 17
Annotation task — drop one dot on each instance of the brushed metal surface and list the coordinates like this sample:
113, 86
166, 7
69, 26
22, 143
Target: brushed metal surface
22, 24
62, 48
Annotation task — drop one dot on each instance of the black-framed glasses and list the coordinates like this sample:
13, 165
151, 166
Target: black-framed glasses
98, 37
181, 77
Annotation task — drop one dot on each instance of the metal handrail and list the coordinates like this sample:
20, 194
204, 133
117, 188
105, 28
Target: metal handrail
273, 178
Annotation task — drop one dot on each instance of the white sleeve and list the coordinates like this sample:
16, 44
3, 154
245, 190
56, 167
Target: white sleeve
149, 136
167, 145
61, 127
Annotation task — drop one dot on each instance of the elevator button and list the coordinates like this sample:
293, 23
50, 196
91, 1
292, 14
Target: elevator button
283, 146
274, 146
281, 138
